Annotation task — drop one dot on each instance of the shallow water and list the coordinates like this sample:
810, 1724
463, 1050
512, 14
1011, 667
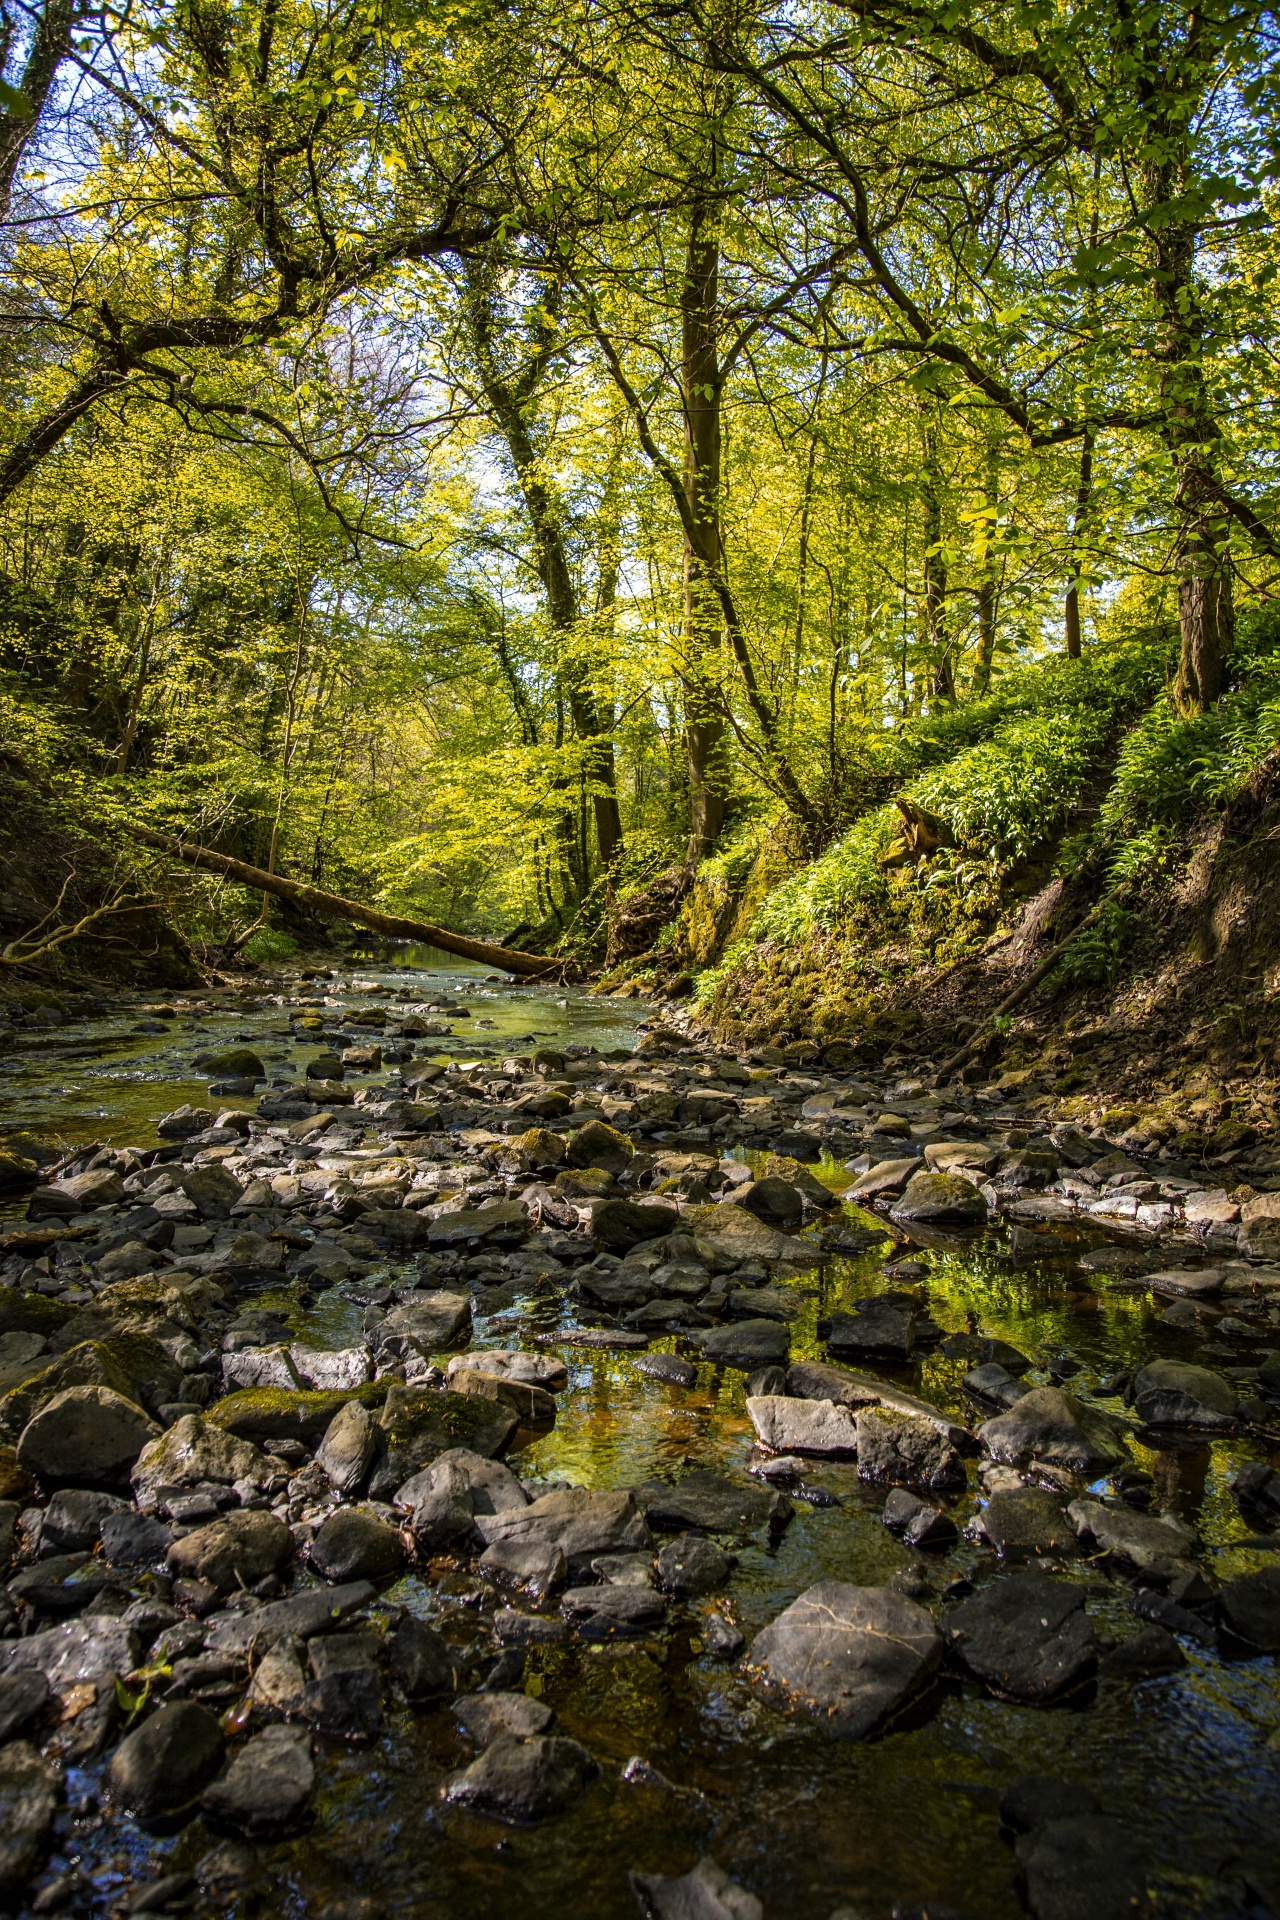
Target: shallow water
1190, 1762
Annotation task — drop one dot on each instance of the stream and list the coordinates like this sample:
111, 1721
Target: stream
904, 1823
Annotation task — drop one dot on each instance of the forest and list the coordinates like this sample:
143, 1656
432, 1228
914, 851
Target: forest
641, 485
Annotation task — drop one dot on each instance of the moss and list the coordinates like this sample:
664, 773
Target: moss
91, 1364
419, 1423
1233, 1134
281, 1413
22, 1312
1120, 1119
17, 1172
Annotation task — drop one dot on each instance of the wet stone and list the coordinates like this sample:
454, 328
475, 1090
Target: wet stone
266, 1788
1249, 1610
1055, 1427
712, 1504
344, 1699
1019, 1522
356, 1545
1151, 1652
690, 1565
668, 1368
30, 1787
160, 1769
483, 1717
894, 1449
522, 1781
704, 1893
849, 1656
1027, 1637
1086, 1867
747, 1345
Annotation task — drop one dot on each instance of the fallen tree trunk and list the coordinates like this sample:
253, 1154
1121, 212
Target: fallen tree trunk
529, 966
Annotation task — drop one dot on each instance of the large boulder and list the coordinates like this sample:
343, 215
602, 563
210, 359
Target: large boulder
1020, 1522
235, 1551
262, 1414
423, 1326
849, 1656
1083, 1867
599, 1145
737, 1234
192, 1451
1026, 1637
816, 1380
1249, 1610
356, 1545
1172, 1393
521, 1781
941, 1200
896, 1450
160, 1769
1057, 1428
86, 1433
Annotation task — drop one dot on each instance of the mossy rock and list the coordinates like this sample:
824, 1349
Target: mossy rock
282, 1413
1190, 1142
152, 1368
17, 1172
1231, 1135
91, 1364
233, 1063
1120, 1119
23, 1312
1069, 1082
418, 1423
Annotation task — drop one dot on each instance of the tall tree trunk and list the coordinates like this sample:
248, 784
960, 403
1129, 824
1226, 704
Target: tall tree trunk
937, 639
510, 402
1084, 493
705, 741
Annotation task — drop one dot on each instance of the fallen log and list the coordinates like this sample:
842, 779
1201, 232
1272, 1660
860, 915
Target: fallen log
528, 966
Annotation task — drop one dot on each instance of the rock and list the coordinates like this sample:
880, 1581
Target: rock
1055, 1427
423, 1327
705, 1893
134, 1540
227, 1873
881, 1327
23, 1694
82, 1193
520, 1781
531, 1152
260, 1367
1171, 1393
1149, 1653
894, 1449
738, 1235
347, 1451
268, 1784
356, 1545
344, 1698
1022, 1521
1027, 1637
849, 1656
193, 1451
746, 1345
814, 1380
1157, 1545
30, 1787
941, 1200
419, 1662
483, 1486
994, 1383
1085, 1868
161, 1768
668, 1368
484, 1717
581, 1523
764, 1303
689, 1565
185, 1122
1249, 1609
885, 1179
1260, 1227
233, 1063
619, 1225
504, 1224
533, 1406
85, 1433
212, 1190
773, 1200
535, 1565
417, 1425
73, 1518
544, 1370
722, 1637
236, 1551
710, 1504
1190, 1286
802, 1426
598, 1145
314, 1610
80, 1661
279, 1688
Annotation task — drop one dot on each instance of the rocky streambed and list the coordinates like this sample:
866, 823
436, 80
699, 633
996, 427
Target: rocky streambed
446, 1467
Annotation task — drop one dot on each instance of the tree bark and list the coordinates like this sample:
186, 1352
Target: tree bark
937, 639
703, 534
528, 965
1084, 493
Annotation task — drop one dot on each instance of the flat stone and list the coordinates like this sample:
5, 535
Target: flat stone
423, 1326
711, 1504
705, 1893
611, 1611
802, 1426
315, 1610
668, 1368
329, 1372
266, 1788
161, 1768
1027, 1637
1055, 1427
880, 1327
522, 1781
580, 1522
619, 1225
1193, 1286
850, 1656
886, 1178
530, 1369
815, 1380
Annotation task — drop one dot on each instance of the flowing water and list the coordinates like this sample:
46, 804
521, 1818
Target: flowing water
1190, 1762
